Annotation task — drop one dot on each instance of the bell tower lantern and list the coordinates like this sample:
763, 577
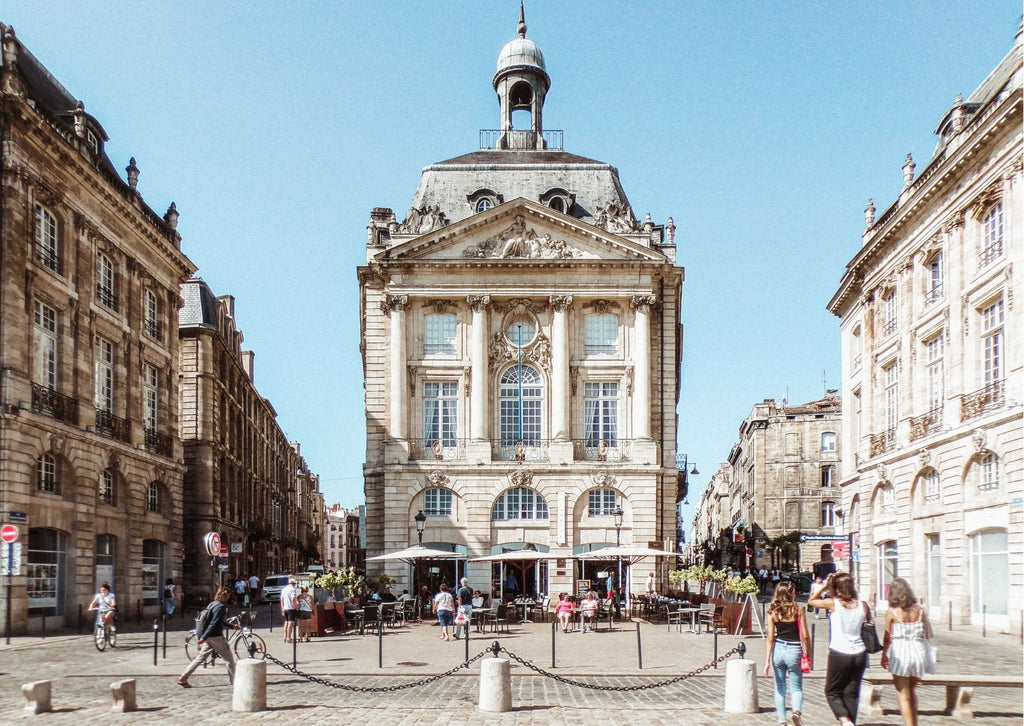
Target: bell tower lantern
521, 83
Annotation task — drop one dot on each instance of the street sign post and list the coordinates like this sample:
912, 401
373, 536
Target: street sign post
9, 534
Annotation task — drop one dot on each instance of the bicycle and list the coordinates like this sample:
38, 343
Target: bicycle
104, 632
239, 638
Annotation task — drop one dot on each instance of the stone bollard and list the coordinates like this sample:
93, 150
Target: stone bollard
496, 685
37, 696
740, 686
250, 691
123, 693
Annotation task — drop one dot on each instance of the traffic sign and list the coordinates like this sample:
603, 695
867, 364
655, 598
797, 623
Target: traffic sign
822, 537
212, 543
9, 533
10, 565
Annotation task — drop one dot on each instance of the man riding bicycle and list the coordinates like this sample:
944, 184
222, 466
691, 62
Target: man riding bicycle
105, 603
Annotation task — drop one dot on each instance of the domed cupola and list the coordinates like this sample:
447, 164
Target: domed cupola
521, 83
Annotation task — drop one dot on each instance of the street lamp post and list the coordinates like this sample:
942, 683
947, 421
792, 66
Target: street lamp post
421, 522
617, 514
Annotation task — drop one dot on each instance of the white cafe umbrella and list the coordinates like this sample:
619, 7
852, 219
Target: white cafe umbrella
631, 554
416, 552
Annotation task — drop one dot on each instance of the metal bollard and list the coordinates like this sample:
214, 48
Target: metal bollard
163, 622
554, 629
156, 639
813, 635
716, 647
380, 641
639, 648
42, 634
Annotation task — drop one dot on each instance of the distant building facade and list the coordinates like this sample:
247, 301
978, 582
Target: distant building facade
521, 345
89, 277
244, 479
343, 545
932, 369
781, 478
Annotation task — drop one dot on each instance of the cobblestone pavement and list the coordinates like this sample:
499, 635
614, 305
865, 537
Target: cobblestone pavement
81, 678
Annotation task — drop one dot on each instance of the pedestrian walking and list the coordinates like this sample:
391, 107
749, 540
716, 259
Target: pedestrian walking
444, 607
211, 639
787, 641
464, 603
905, 646
289, 608
847, 656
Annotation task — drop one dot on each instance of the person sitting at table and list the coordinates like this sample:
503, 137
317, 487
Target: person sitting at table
478, 599
588, 611
564, 610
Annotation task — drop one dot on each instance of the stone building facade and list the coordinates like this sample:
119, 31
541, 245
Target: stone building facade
342, 546
90, 459
932, 369
244, 479
521, 345
781, 477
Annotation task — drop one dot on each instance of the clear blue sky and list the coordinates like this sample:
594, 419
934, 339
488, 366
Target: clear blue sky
762, 128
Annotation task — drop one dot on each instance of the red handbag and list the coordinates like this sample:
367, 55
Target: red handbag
805, 660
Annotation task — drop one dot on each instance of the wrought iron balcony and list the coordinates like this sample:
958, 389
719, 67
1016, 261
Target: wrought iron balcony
159, 443
443, 449
48, 401
889, 327
152, 328
925, 424
992, 253
49, 259
982, 401
880, 443
114, 427
526, 450
934, 293
601, 449
106, 296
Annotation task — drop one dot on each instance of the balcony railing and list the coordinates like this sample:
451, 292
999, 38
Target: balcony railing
601, 450
159, 443
925, 424
982, 401
889, 327
48, 401
992, 252
49, 259
529, 450
880, 443
114, 427
106, 296
152, 328
934, 293
443, 449
520, 139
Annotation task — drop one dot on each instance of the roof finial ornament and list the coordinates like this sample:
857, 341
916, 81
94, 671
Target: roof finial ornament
522, 20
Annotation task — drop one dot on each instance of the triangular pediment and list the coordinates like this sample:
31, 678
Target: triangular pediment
519, 230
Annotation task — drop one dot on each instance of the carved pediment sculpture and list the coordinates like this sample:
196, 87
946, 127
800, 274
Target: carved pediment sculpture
423, 219
518, 242
615, 219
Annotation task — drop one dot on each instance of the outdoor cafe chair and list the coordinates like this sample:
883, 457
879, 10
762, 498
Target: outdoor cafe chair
500, 620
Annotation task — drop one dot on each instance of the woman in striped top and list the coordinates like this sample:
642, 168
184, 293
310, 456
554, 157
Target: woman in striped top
903, 651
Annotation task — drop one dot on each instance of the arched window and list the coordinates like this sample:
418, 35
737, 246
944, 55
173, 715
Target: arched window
154, 497
437, 502
990, 587
992, 234
108, 488
47, 474
828, 514
152, 570
151, 313
106, 290
520, 423
888, 556
47, 250
601, 502
987, 476
930, 479
519, 503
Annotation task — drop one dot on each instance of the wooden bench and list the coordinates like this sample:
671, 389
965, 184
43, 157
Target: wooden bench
959, 690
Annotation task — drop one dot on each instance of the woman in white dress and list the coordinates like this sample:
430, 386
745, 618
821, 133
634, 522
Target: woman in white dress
904, 652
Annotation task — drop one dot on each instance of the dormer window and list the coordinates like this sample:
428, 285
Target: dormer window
92, 141
558, 199
483, 199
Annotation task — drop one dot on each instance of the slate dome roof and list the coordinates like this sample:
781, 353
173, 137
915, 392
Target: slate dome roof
520, 52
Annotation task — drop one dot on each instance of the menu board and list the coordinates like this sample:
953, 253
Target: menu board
582, 588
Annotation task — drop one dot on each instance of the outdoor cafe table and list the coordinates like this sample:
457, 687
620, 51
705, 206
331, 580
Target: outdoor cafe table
525, 605
480, 615
692, 612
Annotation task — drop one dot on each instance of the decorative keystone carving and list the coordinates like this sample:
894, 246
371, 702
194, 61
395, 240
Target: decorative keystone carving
520, 478
438, 479
440, 306
604, 478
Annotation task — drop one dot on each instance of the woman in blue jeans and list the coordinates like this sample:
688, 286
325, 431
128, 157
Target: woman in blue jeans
787, 640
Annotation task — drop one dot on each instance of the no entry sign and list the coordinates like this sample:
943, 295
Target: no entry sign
9, 533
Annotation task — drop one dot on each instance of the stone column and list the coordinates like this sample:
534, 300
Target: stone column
641, 305
395, 306
478, 371
560, 368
